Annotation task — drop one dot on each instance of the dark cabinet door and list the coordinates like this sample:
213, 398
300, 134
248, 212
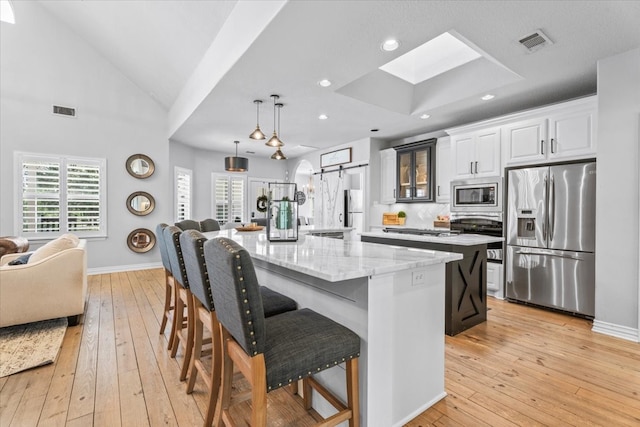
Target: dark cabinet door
415, 177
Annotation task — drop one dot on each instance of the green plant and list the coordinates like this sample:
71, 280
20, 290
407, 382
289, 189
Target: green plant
402, 214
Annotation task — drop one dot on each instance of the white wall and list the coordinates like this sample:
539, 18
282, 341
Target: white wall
617, 256
203, 163
43, 63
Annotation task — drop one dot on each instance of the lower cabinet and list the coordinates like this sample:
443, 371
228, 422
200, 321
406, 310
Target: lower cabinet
495, 280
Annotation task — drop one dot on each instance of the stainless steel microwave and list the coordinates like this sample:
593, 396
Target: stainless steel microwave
477, 195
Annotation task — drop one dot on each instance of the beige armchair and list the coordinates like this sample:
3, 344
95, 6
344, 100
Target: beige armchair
53, 287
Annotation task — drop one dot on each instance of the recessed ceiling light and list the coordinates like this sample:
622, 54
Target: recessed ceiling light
488, 97
323, 117
425, 116
390, 45
324, 83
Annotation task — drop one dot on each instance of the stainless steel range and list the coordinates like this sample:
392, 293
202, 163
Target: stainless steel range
485, 223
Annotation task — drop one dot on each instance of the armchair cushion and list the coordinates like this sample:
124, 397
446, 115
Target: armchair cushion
66, 241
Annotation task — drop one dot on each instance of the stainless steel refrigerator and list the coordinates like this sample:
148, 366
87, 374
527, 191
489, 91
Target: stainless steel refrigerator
550, 259
353, 209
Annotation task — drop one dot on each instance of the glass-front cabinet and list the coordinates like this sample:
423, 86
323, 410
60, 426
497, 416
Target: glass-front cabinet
416, 164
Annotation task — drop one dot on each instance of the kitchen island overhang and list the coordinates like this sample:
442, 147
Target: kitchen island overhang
392, 297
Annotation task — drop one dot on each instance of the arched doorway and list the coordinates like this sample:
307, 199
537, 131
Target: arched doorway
303, 177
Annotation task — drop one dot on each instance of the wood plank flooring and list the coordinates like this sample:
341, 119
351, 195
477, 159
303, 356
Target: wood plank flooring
523, 367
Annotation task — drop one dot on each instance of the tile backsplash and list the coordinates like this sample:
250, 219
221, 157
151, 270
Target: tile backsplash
419, 215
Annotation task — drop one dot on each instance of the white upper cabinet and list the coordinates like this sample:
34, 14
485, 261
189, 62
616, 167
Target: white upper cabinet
571, 134
559, 132
443, 170
476, 154
388, 176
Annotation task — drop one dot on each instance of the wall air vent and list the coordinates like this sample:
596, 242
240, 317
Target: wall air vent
64, 111
534, 41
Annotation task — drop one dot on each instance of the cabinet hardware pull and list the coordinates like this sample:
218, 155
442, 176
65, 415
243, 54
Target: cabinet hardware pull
552, 146
438, 190
471, 167
476, 167
542, 147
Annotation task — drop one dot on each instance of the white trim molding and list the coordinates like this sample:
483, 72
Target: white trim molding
121, 268
618, 331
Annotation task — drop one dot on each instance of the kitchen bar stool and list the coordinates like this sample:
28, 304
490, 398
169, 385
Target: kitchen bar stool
192, 242
169, 304
188, 224
182, 296
276, 351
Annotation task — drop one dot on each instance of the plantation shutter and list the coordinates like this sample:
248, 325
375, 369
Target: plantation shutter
60, 195
40, 195
229, 197
183, 193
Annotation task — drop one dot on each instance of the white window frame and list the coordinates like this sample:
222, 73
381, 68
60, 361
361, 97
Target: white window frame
21, 157
230, 177
177, 173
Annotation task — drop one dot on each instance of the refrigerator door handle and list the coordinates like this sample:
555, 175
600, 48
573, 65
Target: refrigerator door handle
544, 223
552, 210
558, 254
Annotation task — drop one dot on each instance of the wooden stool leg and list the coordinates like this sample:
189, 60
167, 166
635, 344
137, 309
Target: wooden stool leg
188, 348
224, 398
353, 393
197, 346
167, 301
216, 368
306, 389
178, 321
258, 391
174, 324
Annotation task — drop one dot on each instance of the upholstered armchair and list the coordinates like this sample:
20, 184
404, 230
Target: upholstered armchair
47, 288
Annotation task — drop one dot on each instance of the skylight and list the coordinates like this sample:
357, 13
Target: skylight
436, 56
6, 12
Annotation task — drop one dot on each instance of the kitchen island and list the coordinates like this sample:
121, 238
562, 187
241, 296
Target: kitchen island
466, 279
393, 298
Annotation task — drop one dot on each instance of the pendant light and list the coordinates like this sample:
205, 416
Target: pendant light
274, 141
257, 133
278, 155
236, 164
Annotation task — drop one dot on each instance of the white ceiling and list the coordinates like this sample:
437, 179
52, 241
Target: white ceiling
159, 44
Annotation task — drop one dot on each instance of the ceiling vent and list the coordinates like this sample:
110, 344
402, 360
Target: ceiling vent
64, 111
534, 41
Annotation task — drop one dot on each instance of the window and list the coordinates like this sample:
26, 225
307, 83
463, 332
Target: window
182, 181
229, 196
60, 194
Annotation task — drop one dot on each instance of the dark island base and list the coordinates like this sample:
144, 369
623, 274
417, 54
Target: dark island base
466, 282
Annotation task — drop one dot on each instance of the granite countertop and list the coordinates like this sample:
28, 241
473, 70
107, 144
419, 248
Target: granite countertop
459, 240
334, 259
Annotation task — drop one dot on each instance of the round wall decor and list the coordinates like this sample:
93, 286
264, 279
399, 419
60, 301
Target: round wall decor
141, 240
140, 166
141, 203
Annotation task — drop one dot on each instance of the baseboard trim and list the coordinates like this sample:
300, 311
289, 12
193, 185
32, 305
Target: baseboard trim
618, 331
121, 268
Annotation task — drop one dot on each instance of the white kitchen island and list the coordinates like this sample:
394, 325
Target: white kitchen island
392, 297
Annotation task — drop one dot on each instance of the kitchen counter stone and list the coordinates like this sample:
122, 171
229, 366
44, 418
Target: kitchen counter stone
457, 240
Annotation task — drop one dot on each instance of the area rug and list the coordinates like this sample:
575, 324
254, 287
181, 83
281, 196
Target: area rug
30, 345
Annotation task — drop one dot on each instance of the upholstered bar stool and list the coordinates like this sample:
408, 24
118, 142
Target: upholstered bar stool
182, 296
188, 224
192, 244
169, 304
209, 224
276, 351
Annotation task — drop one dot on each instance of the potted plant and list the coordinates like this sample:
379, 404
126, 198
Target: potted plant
402, 216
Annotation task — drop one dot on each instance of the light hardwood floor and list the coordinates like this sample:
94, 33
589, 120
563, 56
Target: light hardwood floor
524, 366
